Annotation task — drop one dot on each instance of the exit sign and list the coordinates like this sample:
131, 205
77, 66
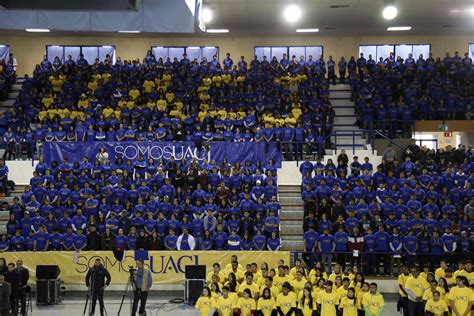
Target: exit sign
448, 134
442, 127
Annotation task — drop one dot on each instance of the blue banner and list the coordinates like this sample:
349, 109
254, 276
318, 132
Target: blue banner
232, 151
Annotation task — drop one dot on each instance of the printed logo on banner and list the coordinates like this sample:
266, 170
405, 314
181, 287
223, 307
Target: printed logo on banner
157, 152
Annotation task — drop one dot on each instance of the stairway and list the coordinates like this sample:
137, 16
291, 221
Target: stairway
8, 103
340, 97
4, 215
291, 217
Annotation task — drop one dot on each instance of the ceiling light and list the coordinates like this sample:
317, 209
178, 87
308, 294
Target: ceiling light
129, 32
38, 30
292, 13
206, 15
390, 12
193, 47
307, 30
399, 28
217, 31
210, 47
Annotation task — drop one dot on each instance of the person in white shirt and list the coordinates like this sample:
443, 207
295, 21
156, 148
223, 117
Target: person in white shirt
185, 241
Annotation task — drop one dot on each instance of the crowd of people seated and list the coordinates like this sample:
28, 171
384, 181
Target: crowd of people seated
173, 205
389, 94
7, 76
420, 209
301, 290
172, 100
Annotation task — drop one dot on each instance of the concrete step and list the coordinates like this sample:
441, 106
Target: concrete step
295, 194
7, 103
291, 215
283, 191
339, 87
4, 215
293, 245
17, 86
340, 94
291, 229
342, 102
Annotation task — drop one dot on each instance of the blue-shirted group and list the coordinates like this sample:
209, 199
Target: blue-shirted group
173, 205
173, 100
391, 93
420, 210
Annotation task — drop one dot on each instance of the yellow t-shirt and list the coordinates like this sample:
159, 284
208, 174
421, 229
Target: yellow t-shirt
439, 273
220, 274
246, 305
461, 298
428, 295
341, 293
134, 93
286, 302
468, 275
274, 291
225, 305
47, 101
313, 278
239, 274
266, 306
332, 276
416, 286
148, 86
279, 280
360, 297
92, 85
348, 306
298, 286
437, 308
252, 287
402, 279
328, 302
306, 308
204, 305
373, 301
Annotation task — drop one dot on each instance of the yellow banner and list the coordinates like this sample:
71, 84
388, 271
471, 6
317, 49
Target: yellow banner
166, 266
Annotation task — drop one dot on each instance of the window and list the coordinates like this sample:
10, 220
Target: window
4, 52
471, 50
401, 50
193, 52
278, 51
90, 52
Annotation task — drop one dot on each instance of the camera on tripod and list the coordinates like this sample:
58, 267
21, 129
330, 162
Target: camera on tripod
131, 269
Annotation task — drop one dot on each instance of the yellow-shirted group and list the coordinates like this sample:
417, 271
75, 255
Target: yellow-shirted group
286, 291
444, 292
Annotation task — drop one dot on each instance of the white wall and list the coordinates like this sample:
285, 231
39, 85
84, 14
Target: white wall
20, 171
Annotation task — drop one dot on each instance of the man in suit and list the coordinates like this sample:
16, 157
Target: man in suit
5, 291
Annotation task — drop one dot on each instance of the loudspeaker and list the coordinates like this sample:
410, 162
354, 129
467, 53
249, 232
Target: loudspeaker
195, 272
192, 290
47, 272
48, 291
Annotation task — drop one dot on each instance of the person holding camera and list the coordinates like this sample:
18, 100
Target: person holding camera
97, 279
143, 283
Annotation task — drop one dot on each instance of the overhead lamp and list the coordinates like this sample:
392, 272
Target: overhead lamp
129, 32
307, 30
38, 30
399, 28
390, 11
292, 13
206, 15
217, 31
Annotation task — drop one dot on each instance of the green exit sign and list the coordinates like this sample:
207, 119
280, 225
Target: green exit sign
443, 128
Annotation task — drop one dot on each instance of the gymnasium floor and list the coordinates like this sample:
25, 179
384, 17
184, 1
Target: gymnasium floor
73, 305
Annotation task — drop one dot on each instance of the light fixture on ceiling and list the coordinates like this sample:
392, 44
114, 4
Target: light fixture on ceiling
292, 13
206, 15
398, 28
217, 31
307, 30
38, 30
390, 11
129, 32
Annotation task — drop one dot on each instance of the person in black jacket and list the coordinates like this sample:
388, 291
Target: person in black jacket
24, 278
13, 277
93, 239
5, 291
142, 241
107, 240
97, 279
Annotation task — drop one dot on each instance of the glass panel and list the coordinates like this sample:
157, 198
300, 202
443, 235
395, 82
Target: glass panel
315, 51
471, 50
107, 50
384, 51
194, 53
297, 51
278, 52
160, 52
209, 52
74, 51
421, 49
403, 51
53, 51
90, 54
367, 50
176, 52
4, 52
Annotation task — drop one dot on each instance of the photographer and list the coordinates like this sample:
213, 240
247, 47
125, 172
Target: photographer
97, 279
143, 282
13, 277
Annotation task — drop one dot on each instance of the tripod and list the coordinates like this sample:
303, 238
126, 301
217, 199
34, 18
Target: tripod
90, 295
131, 284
